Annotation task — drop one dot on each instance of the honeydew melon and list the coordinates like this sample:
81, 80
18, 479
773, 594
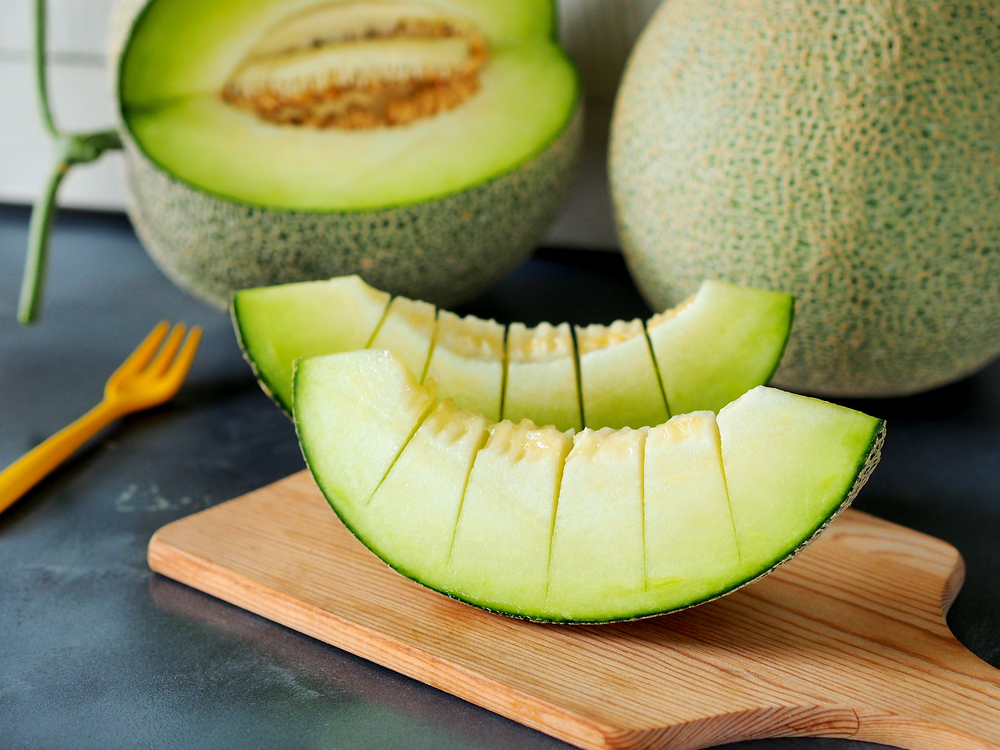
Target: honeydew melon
603, 526
715, 347
423, 143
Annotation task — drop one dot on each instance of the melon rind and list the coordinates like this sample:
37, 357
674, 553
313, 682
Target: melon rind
844, 152
446, 250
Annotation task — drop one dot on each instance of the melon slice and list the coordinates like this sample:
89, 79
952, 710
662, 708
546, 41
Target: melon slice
413, 514
362, 439
618, 378
598, 532
278, 324
709, 350
511, 497
696, 376
541, 380
627, 524
467, 362
407, 331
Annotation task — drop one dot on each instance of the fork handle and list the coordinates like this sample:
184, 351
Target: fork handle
35, 465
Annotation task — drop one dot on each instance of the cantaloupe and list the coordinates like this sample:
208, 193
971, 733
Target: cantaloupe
604, 525
846, 152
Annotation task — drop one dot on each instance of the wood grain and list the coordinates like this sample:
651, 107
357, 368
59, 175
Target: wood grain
848, 640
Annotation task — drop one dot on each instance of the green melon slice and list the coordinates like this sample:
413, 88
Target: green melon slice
468, 362
618, 379
695, 376
278, 324
407, 331
598, 533
541, 382
724, 341
413, 514
512, 497
627, 524
364, 438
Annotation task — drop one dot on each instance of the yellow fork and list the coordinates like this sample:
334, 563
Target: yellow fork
141, 382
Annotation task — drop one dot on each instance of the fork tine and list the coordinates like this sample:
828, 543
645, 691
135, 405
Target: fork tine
143, 353
167, 353
178, 369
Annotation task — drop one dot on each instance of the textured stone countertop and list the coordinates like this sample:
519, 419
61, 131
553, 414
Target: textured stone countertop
98, 652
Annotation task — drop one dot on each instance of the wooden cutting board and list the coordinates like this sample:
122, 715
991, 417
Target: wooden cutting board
848, 640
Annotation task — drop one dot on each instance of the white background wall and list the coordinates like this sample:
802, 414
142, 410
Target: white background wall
597, 32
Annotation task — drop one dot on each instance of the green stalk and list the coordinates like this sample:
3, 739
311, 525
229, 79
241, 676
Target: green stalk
71, 149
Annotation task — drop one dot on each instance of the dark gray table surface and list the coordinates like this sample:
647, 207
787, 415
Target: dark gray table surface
98, 652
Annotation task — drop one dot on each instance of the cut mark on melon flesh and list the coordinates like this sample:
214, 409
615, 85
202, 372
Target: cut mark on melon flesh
359, 65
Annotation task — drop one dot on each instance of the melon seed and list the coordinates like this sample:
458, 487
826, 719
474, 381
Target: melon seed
359, 65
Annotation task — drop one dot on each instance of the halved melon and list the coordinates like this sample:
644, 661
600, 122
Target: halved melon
709, 351
606, 525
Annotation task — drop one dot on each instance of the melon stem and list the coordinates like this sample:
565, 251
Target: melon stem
70, 149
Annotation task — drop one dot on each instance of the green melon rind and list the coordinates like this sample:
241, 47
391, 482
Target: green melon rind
446, 250
865, 467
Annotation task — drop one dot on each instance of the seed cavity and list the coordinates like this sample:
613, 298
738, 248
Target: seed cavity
359, 65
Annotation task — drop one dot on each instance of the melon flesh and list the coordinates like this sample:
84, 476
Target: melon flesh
363, 439
627, 524
468, 362
695, 376
413, 514
278, 324
618, 377
763, 434
172, 103
408, 332
511, 497
598, 533
541, 382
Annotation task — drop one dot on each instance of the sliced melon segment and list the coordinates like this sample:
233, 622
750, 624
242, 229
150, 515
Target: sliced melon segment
642, 524
467, 362
708, 350
278, 324
541, 383
355, 442
618, 378
598, 558
511, 497
412, 516
740, 357
782, 451
687, 511
408, 331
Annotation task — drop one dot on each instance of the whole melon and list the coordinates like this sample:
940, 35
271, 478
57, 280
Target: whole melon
847, 152
423, 144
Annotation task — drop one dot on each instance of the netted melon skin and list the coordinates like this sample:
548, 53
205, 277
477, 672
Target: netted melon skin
846, 152
446, 250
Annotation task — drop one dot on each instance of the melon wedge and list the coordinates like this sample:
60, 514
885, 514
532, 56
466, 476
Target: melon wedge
707, 352
602, 526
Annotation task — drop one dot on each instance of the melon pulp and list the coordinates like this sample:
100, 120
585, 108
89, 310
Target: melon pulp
845, 152
542, 380
723, 342
618, 380
605, 525
425, 143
